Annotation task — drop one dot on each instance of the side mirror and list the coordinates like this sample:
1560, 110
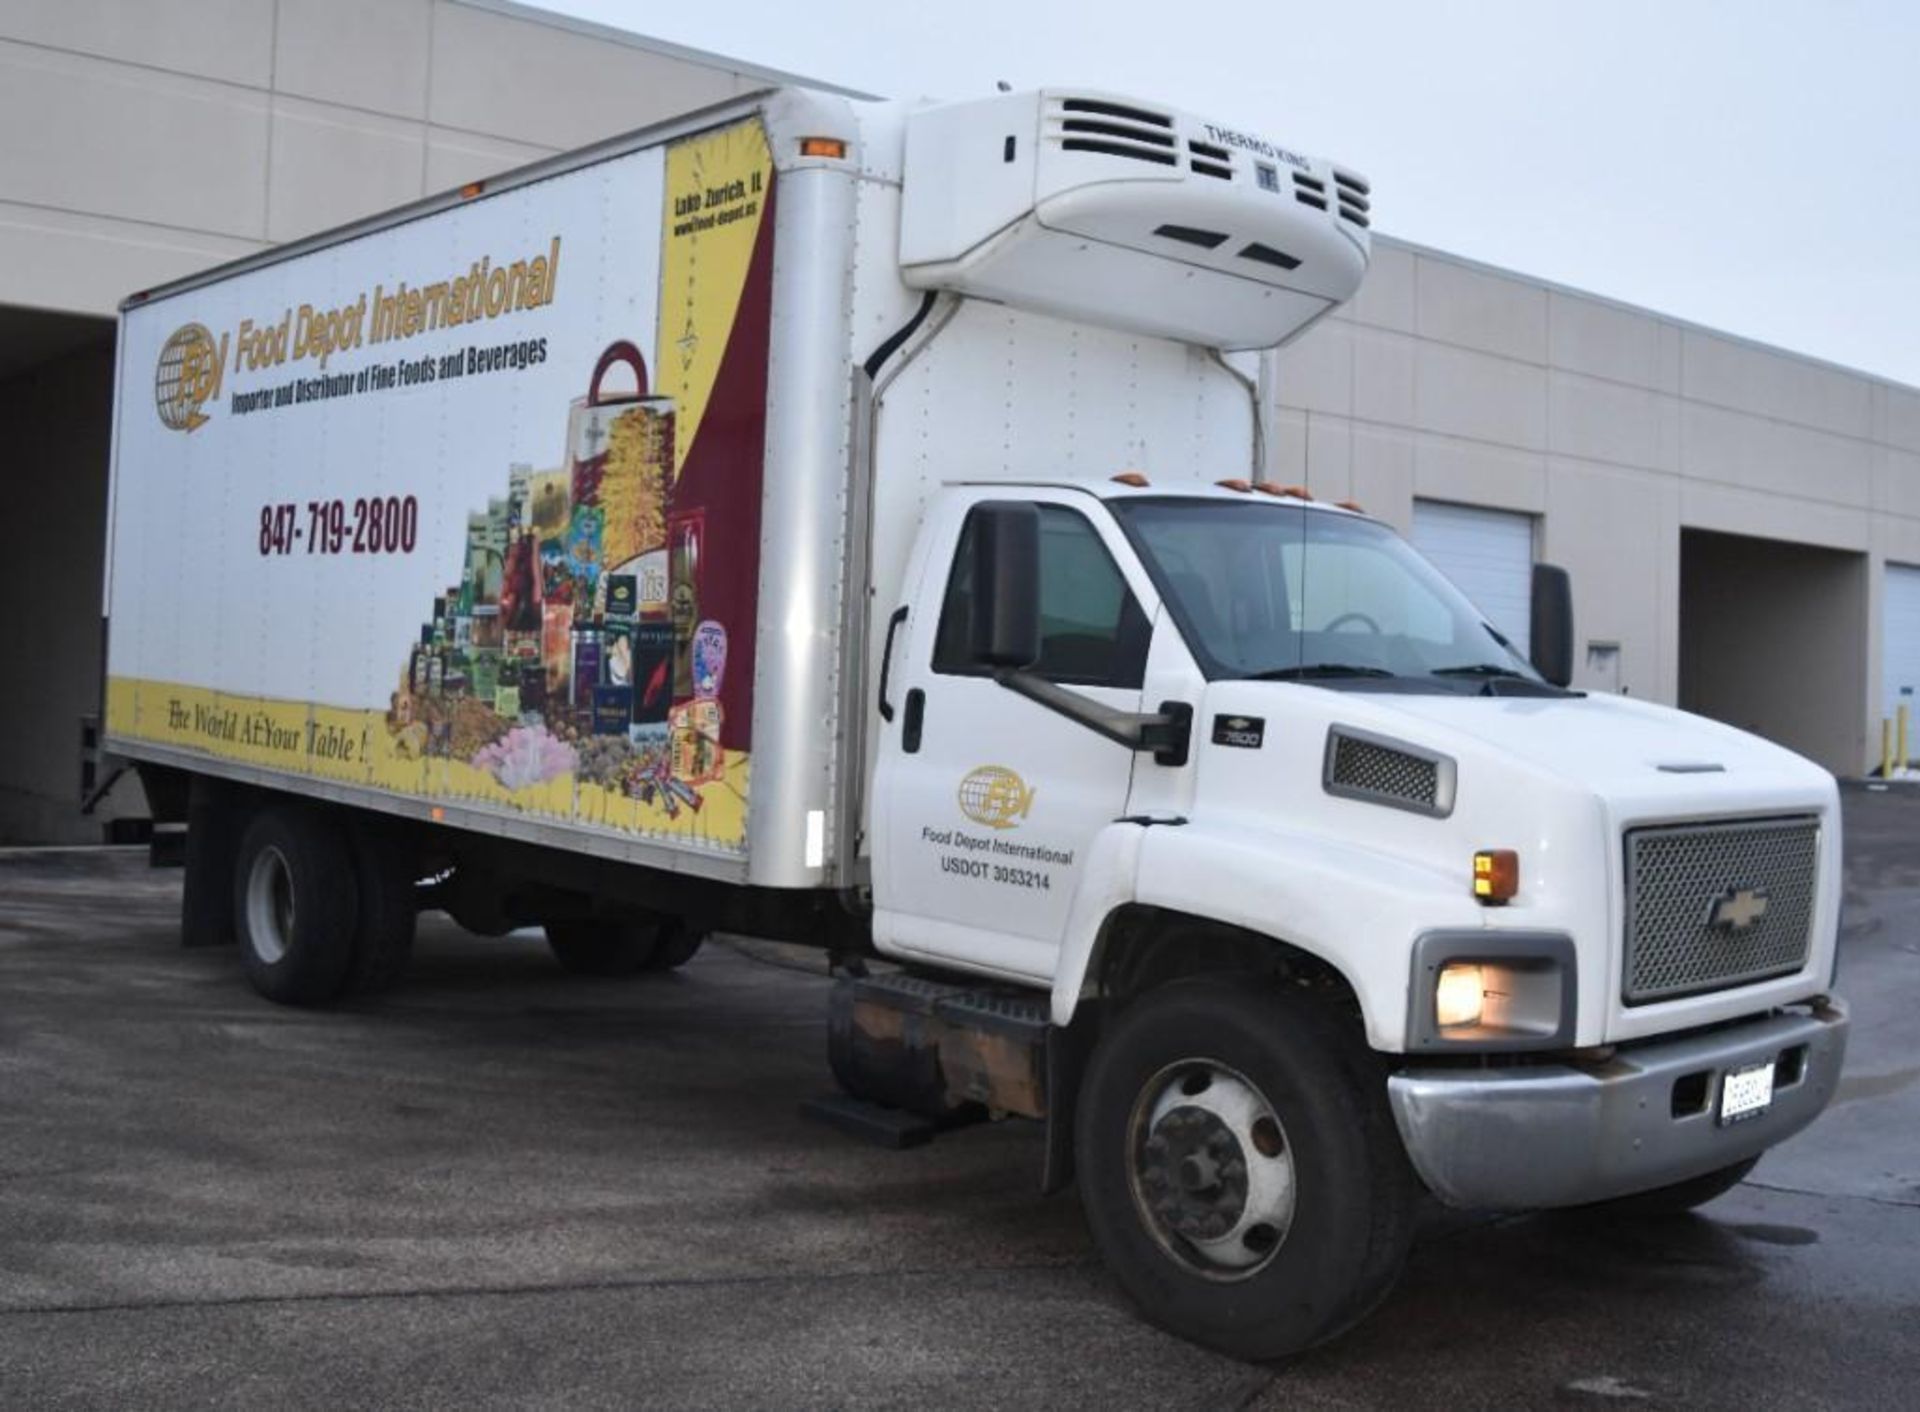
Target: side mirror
1551, 644
1006, 583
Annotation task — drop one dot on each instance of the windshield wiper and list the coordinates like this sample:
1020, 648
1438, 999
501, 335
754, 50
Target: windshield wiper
1309, 670
1496, 680
1481, 669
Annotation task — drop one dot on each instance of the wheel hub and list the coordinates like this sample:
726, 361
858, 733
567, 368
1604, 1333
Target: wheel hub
1194, 1174
1212, 1173
270, 905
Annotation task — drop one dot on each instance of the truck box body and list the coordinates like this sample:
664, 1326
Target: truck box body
396, 496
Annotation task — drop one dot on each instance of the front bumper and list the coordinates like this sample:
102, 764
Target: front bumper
1519, 1137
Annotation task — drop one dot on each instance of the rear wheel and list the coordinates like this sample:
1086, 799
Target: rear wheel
294, 905
385, 879
1239, 1167
676, 945
606, 947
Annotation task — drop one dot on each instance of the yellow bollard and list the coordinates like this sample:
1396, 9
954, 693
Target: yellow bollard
1886, 748
1900, 734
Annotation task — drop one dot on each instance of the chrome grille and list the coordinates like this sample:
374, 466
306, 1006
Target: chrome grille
1680, 876
1362, 766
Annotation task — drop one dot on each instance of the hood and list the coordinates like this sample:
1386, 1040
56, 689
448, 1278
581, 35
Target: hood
1632, 753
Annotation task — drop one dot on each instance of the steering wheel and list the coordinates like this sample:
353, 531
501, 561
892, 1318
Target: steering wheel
1368, 623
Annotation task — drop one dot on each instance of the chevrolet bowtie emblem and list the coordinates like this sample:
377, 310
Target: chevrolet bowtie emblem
1736, 909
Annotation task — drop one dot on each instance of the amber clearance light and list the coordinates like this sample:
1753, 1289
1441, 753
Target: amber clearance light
822, 147
1496, 875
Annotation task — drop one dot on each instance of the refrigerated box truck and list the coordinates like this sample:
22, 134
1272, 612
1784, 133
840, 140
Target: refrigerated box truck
849, 523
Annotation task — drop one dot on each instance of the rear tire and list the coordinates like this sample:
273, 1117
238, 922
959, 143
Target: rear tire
677, 944
1679, 1198
385, 876
1239, 1167
294, 903
603, 947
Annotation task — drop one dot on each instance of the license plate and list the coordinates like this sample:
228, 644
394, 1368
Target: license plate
1746, 1093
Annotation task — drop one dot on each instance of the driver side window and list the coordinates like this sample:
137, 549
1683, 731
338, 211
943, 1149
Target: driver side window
1092, 632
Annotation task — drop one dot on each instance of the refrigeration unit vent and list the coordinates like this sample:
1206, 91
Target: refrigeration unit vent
1210, 159
1354, 194
1116, 130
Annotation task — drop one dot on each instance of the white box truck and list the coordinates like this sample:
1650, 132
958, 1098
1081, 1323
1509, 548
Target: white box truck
848, 523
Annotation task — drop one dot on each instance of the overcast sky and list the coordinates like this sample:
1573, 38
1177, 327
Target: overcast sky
1751, 166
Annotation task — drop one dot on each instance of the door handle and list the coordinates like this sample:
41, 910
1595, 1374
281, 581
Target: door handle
886, 660
910, 727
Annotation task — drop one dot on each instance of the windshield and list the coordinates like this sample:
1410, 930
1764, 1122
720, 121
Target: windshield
1281, 591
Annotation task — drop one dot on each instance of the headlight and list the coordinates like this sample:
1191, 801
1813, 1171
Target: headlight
1459, 996
1488, 991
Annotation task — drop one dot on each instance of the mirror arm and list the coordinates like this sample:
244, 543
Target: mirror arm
1166, 733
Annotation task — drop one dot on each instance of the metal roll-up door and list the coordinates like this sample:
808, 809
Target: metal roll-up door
1900, 639
1488, 554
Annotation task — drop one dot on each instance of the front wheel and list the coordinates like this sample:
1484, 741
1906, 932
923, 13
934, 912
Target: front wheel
1239, 1167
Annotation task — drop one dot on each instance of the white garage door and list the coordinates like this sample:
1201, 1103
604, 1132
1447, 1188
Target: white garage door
1488, 554
1900, 637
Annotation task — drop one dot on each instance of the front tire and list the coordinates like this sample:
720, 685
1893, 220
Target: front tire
295, 904
1239, 1167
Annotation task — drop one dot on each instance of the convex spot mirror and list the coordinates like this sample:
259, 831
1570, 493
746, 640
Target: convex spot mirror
1006, 583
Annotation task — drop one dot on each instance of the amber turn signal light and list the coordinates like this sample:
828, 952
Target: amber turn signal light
1496, 875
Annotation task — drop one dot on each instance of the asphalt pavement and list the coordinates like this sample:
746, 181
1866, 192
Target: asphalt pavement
501, 1185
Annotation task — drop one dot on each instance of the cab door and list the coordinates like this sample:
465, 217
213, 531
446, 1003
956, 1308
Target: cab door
986, 801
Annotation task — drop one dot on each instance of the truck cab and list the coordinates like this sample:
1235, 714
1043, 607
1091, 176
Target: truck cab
1230, 755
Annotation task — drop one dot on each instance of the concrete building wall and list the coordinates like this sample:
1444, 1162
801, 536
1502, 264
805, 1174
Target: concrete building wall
1617, 427
169, 135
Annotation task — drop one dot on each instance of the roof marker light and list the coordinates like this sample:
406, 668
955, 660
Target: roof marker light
1353, 505
822, 147
472, 189
1239, 485
1132, 478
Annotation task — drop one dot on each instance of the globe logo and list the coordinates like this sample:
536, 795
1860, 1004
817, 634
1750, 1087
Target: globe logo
995, 796
188, 377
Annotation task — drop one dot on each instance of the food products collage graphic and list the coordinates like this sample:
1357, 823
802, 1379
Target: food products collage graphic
573, 643
592, 656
